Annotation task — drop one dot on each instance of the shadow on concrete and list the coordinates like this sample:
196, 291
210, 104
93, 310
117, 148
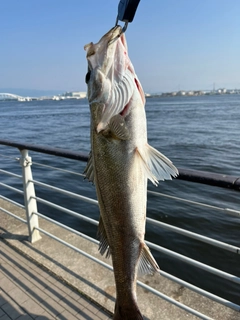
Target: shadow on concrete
10, 312
11, 236
24, 240
35, 295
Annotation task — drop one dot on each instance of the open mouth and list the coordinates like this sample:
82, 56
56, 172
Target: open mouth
114, 34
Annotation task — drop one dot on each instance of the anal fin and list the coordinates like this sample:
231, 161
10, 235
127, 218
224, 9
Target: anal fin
103, 244
147, 264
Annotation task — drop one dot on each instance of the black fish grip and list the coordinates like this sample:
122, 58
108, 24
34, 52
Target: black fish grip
126, 11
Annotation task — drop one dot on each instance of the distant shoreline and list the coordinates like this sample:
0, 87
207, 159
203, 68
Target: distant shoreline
193, 93
83, 95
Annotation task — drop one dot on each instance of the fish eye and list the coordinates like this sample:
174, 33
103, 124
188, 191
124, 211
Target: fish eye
88, 75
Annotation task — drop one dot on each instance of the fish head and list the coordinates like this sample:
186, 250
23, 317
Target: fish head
105, 63
102, 54
111, 78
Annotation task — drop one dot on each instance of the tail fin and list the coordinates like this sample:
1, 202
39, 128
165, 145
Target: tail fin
129, 312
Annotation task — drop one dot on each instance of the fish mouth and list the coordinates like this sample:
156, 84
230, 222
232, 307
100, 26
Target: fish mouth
107, 42
112, 35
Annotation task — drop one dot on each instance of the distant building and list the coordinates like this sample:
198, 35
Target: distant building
198, 93
75, 94
231, 91
181, 93
147, 95
221, 91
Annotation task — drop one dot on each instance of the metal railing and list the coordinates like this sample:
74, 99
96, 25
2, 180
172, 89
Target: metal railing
32, 214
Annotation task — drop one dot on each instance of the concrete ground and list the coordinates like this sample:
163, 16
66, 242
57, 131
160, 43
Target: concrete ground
89, 278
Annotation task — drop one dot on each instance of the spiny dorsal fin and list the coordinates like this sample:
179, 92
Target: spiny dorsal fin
147, 264
88, 171
103, 244
156, 165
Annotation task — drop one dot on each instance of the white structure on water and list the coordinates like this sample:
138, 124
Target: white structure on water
10, 96
75, 94
67, 95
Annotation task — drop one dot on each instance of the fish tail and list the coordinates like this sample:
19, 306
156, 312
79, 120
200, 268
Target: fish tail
130, 312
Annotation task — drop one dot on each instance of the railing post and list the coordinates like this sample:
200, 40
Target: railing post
29, 196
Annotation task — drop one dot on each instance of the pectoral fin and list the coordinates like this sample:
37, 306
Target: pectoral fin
118, 128
156, 165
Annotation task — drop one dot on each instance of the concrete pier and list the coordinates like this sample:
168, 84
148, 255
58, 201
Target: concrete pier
80, 277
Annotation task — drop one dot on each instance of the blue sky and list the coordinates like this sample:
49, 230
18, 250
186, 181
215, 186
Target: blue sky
173, 44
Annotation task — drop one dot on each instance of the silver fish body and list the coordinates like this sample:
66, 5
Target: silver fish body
120, 163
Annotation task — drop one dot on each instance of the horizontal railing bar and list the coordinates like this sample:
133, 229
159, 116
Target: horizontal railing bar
83, 235
232, 212
209, 178
69, 193
47, 150
195, 263
73, 213
174, 302
13, 215
214, 179
159, 294
9, 157
196, 236
193, 202
159, 194
13, 202
11, 188
11, 174
198, 290
58, 169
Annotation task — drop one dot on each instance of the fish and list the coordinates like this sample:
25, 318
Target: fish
120, 163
